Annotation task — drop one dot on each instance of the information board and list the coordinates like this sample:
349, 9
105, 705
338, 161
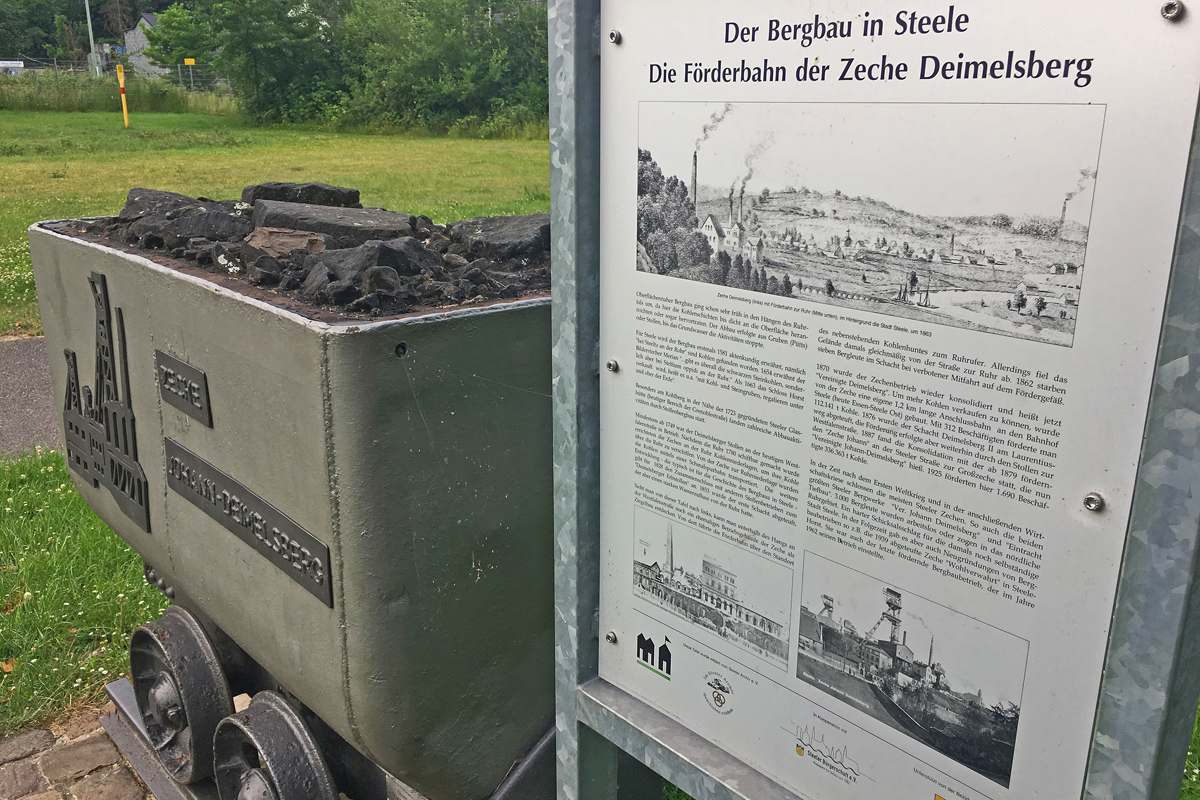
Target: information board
881, 288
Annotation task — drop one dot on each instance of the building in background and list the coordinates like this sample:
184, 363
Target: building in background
136, 44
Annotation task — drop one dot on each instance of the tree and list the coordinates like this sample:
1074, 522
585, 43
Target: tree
1042, 227
787, 285
118, 16
1019, 301
1005, 716
662, 252
723, 266
692, 246
1039, 305
28, 27
280, 56
650, 177
665, 209
734, 276
67, 46
829, 286
181, 33
435, 62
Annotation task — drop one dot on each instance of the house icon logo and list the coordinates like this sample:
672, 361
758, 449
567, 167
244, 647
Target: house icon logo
657, 661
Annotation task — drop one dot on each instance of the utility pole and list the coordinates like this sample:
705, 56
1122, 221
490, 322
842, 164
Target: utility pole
93, 56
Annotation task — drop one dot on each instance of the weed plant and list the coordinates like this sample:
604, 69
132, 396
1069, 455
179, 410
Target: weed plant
77, 92
18, 299
71, 593
1191, 768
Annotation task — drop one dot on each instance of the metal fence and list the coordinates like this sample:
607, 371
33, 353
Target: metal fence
188, 77
39, 65
197, 78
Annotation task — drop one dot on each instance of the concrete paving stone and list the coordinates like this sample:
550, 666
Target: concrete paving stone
74, 760
117, 783
23, 745
80, 722
21, 778
52, 794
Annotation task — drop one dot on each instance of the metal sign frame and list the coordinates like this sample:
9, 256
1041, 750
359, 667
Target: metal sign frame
611, 745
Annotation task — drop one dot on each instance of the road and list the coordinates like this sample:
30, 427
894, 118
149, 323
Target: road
28, 413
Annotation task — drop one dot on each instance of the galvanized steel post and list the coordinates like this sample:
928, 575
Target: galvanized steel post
575, 324
1152, 674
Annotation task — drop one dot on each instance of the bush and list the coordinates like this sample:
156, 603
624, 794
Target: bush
1042, 227
447, 63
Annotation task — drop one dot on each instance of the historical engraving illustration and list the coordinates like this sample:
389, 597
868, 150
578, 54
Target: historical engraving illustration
943, 678
974, 216
714, 585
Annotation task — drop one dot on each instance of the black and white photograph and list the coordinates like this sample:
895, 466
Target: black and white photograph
969, 215
732, 593
945, 679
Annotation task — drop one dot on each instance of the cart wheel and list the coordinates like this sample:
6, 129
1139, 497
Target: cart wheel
181, 691
266, 752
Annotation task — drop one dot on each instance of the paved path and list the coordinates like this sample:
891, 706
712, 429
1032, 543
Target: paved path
28, 414
71, 760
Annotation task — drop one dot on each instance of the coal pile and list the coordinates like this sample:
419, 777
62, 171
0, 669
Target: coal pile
316, 243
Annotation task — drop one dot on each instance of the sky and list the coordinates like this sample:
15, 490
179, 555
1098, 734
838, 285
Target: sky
928, 158
762, 584
974, 655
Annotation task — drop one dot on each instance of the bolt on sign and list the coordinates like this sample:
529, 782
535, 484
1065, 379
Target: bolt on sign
887, 286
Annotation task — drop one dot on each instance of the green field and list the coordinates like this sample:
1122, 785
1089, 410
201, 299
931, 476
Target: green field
71, 593
58, 165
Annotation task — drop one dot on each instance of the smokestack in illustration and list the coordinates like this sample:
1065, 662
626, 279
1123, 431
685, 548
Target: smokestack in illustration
695, 197
731, 206
741, 202
670, 550
1085, 175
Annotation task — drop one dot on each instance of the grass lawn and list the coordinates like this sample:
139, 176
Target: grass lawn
56, 165
71, 593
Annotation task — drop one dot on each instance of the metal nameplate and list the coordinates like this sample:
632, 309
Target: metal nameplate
302, 556
183, 386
